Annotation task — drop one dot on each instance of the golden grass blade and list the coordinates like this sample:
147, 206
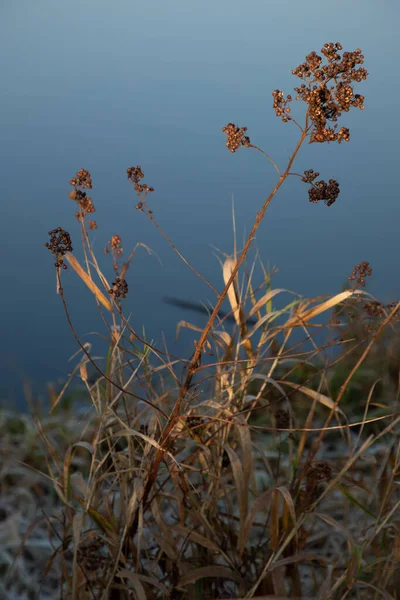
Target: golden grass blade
188, 326
271, 316
88, 281
234, 299
223, 338
55, 401
321, 398
306, 315
264, 300
259, 324
131, 432
227, 269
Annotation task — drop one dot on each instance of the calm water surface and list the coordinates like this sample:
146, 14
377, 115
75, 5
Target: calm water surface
105, 87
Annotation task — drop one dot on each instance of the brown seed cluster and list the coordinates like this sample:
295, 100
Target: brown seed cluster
377, 310
92, 224
317, 474
321, 190
80, 182
91, 555
144, 429
360, 272
282, 418
82, 179
194, 421
235, 137
114, 245
120, 288
327, 102
310, 176
60, 244
135, 174
280, 105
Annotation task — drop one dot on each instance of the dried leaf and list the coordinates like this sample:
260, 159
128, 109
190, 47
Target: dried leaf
262, 301
149, 580
197, 538
260, 504
274, 525
134, 579
289, 503
303, 316
241, 489
88, 281
228, 268
321, 398
212, 571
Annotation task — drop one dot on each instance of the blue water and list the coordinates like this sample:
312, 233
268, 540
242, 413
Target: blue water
107, 86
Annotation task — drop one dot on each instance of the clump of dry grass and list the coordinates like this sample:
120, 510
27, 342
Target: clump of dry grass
239, 471
31, 511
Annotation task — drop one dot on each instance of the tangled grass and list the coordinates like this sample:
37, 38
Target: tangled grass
265, 464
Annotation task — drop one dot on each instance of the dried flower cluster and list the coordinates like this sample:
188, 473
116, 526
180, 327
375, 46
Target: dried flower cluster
280, 105
310, 176
60, 244
326, 103
377, 310
120, 288
360, 272
328, 192
282, 418
82, 179
321, 190
317, 474
91, 555
135, 174
114, 245
194, 421
80, 182
235, 137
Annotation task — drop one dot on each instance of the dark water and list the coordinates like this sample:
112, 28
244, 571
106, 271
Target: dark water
106, 86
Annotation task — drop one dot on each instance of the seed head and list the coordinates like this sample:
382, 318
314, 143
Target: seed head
135, 174
120, 288
360, 272
82, 181
60, 244
235, 137
327, 102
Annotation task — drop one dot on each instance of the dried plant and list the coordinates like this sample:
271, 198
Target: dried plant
248, 468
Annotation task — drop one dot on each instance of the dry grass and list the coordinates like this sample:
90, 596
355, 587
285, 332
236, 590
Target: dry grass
265, 465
